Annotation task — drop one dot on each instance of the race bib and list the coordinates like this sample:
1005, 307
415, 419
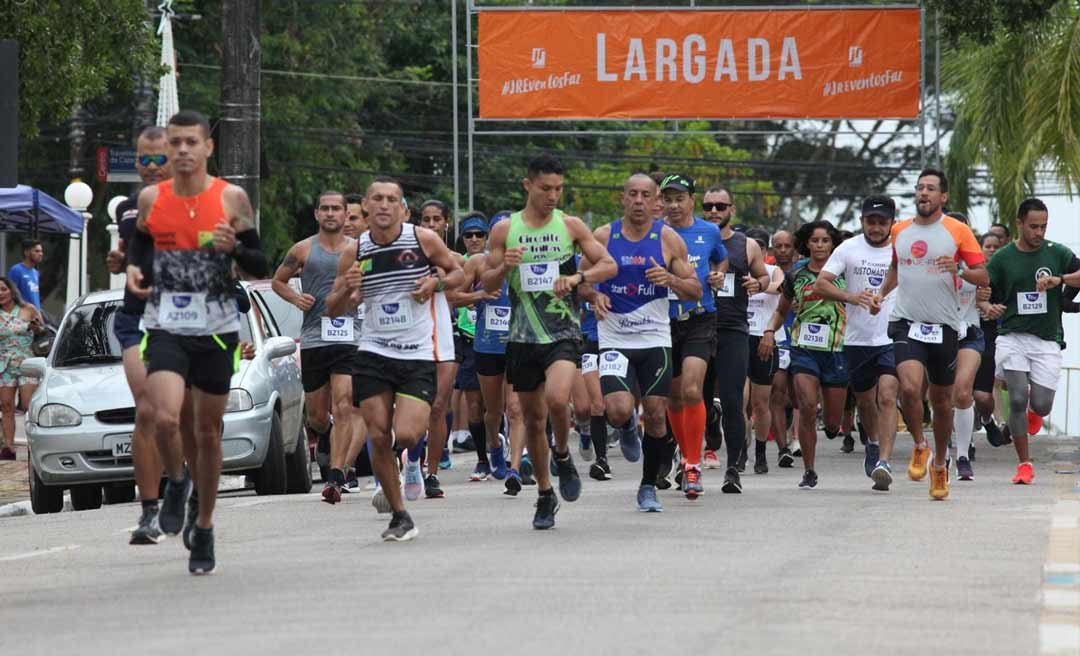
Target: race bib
337, 329
539, 276
814, 335
360, 312
588, 363
613, 363
727, 290
1031, 303
785, 359
389, 317
928, 333
182, 310
497, 319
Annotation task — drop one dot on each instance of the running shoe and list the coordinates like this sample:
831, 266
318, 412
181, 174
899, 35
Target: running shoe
201, 561
963, 469
679, 475
499, 469
849, 443
462, 442
192, 515
761, 464
920, 456
667, 460
939, 483
1034, 421
481, 472
601, 470
351, 481
1025, 474
171, 517
373, 484
872, 455
882, 476
786, 460
664, 484
647, 501
148, 531
732, 482
381, 503
569, 481
513, 483
401, 528
994, 434
546, 507
692, 486
432, 489
809, 480
445, 462
414, 480
630, 443
331, 493
797, 452
710, 460
584, 446
740, 464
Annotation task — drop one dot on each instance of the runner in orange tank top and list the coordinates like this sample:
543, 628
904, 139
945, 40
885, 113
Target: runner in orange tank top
190, 231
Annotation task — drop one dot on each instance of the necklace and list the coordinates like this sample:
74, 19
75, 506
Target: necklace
190, 208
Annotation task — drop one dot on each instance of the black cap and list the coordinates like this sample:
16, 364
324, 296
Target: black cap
679, 182
879, 206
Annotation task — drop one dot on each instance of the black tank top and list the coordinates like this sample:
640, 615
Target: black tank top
731, 310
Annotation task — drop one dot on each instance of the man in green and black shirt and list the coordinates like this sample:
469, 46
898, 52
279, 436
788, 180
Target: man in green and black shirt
1025, 279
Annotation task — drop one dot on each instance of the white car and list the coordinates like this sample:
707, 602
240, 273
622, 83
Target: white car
80, 420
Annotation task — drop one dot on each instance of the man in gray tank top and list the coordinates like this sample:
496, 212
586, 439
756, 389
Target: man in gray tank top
327, 344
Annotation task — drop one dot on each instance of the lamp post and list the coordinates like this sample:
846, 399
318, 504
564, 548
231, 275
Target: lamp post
78, 197
116, 280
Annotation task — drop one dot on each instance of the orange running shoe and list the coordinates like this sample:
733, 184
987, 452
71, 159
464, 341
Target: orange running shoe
1025, 474
939, 483
1035, 422
920, 456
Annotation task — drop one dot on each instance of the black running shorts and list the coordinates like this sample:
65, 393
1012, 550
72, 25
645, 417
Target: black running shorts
205, 362
374, 374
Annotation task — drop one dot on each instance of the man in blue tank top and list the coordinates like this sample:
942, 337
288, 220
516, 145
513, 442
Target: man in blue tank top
693, 324
633, 325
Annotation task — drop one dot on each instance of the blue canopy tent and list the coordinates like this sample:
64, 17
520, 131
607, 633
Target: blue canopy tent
26, 209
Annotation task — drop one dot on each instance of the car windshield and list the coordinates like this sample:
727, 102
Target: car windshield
87, 336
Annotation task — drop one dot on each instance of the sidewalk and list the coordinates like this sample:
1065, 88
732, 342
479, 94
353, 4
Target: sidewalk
14, 484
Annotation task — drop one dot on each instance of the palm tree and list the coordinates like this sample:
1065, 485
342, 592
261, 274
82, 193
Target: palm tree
1017, 105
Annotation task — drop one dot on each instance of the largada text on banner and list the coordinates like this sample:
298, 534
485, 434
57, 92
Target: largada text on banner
616, 64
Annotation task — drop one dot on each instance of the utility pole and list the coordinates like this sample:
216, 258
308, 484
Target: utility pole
241, 67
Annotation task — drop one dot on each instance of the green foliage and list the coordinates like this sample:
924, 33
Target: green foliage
70, 52
980, 20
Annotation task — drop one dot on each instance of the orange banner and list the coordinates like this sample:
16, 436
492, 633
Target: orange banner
617, 64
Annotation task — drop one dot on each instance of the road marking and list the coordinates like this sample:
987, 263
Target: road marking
35, 554
1059, 639
1060, 599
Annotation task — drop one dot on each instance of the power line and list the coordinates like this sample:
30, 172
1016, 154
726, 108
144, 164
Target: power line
334, 76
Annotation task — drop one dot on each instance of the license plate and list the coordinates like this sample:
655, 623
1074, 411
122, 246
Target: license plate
119, 445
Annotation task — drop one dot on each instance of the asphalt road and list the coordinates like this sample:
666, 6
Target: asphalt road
776, 570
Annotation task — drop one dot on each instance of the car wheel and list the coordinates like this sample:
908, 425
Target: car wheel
298, 467
44, 498
86, 497
119, 493
271, 478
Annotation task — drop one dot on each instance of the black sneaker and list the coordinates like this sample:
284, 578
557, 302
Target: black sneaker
740, 464
849, 444
192, 515
786, 460
171, 517
351, 481
569, 480
761, 465
732, 483
432, 489
201, 560
809, 479
148, 531
663, 484
994, 434
600, 470
401, 528
546, 507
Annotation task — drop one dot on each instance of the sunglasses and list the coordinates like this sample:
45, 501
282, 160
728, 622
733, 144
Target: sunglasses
722, 207
147, 160
473, 235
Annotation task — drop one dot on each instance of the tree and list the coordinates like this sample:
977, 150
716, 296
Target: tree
70, 52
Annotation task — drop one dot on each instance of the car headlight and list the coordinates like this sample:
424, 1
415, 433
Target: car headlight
57, 415
239, 401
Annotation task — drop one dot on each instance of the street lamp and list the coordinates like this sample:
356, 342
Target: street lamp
116, 280
78, 197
